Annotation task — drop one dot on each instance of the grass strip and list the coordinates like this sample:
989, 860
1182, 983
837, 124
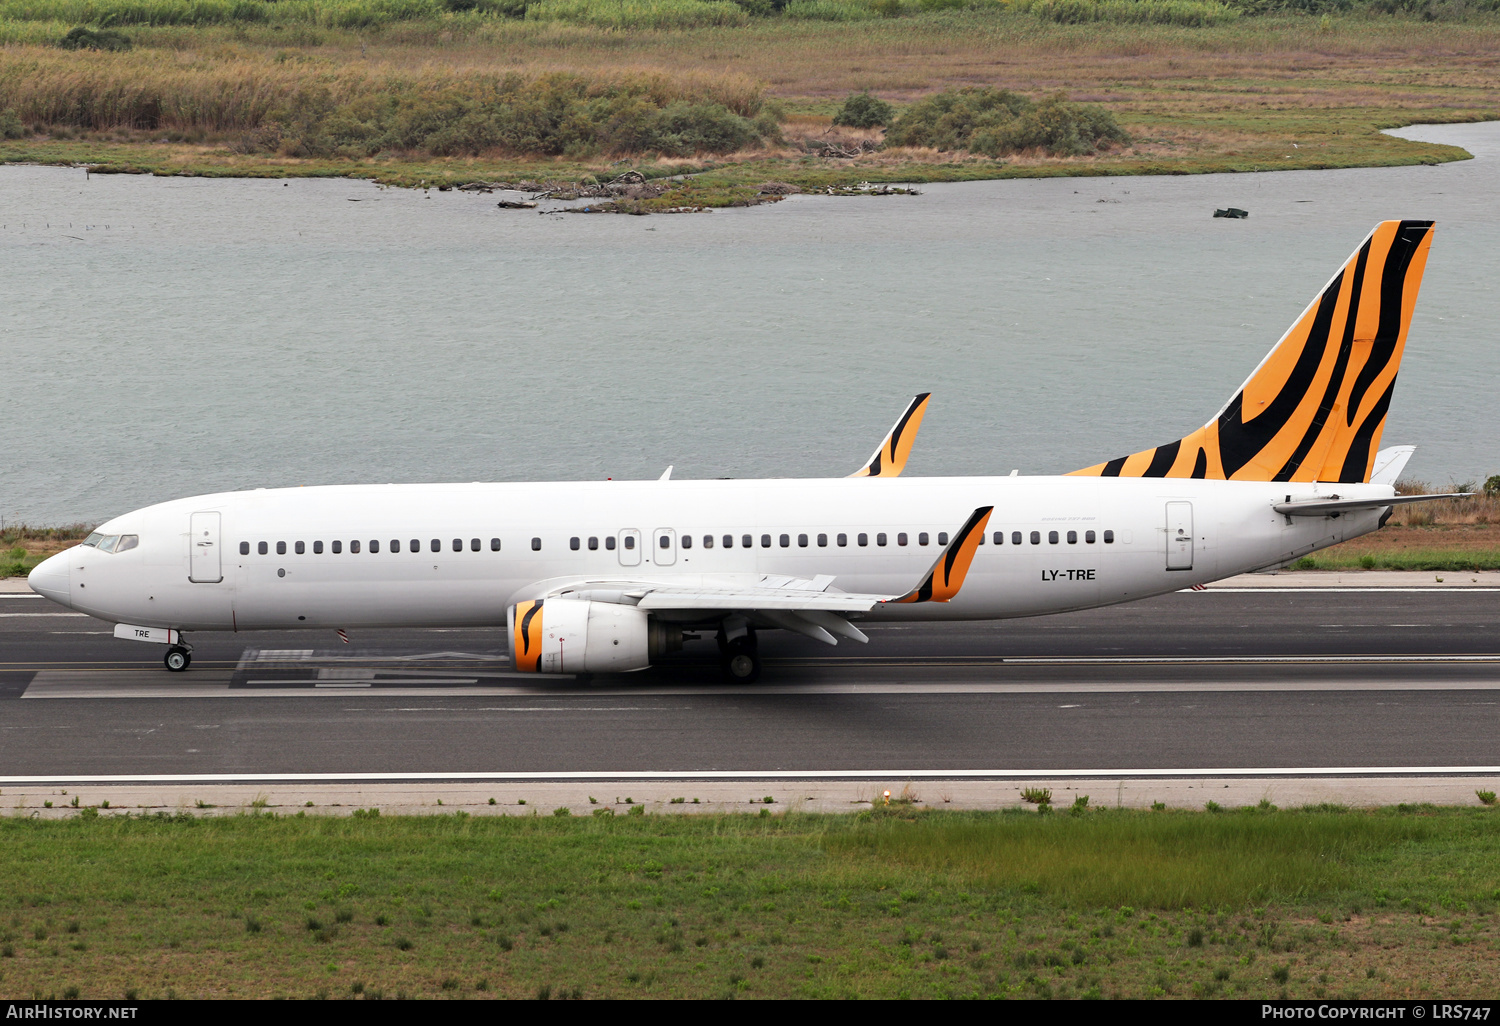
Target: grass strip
1308, 903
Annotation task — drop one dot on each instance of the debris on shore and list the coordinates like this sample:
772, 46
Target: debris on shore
867, 189
1234, 212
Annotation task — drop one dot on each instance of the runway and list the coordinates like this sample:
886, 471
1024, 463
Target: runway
1230, 683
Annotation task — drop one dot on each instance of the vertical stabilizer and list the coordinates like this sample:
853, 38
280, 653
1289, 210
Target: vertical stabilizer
1315, 407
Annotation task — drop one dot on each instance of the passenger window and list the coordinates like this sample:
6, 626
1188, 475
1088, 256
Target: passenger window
765, 541
664, 542
1036, 537
822, 541
745, 541
708, 541
801, 541
281, 548
863, 539
943, 538
474, 545
729, 541
244, 548
593, 543
1109, 537
785, 540
338, 547
127, 542
301, 548
922, 538
901, 538
880, 538
843, 540
609, 543
494, 545
629, 542
317, 548
1072, 537
354, 546
1088, 536
573, 544
261, 548
458, 544
395, 545
374, 545
437, 545
1015, 537
1051, 537
687, 541
536, 544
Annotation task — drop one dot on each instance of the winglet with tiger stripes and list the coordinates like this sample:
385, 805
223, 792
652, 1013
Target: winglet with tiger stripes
890, 457
1315, 407
947, 575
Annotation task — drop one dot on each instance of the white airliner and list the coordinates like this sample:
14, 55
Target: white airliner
600, 577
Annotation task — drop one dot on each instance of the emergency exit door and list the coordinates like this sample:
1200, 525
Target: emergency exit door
1179, 536
203, 549
629, 547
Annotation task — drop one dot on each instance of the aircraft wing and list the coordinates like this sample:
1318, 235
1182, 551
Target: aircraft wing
810, 606
889, 458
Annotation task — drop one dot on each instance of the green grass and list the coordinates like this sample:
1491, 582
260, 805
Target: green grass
1453, 560
1106, 903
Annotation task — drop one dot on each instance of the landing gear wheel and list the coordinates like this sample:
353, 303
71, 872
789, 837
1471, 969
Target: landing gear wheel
742, 661
178, 658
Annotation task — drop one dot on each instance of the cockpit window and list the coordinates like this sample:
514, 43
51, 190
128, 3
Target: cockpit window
127, 542
107, 543
93, 539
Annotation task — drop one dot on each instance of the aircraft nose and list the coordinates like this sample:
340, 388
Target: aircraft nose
50, 578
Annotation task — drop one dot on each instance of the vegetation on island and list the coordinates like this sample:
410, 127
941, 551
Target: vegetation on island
737, 93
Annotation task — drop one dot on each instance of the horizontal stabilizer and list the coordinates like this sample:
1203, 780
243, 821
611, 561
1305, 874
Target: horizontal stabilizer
1325, 507
1390, 462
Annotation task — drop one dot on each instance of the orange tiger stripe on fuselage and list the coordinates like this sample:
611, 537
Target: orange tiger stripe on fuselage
1315, 408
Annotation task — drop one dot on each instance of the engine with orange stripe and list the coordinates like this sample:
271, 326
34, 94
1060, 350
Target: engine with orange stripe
1315, 408
526, 635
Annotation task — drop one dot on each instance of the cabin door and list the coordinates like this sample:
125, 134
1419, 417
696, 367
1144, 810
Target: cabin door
203, 549
1179, 536
664, 547
629, 547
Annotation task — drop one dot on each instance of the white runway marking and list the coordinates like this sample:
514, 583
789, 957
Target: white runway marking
839, 774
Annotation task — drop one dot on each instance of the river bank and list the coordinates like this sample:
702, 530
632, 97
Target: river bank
1263, 93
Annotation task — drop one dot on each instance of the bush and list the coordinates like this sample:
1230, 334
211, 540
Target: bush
11, 128
862, 110
997, 121
1491, 483
1191, 13
82, 38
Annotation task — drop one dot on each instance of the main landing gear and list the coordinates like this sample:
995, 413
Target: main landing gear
178, 658
740, 657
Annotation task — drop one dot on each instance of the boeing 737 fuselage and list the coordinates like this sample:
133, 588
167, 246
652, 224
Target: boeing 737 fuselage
604, 576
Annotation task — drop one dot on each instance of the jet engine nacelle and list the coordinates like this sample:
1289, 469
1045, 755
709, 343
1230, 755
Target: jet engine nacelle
562, 635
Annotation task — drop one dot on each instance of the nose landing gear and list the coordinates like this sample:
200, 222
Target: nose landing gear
178, 658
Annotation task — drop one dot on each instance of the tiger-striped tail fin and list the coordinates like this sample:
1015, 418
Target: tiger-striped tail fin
1315, 408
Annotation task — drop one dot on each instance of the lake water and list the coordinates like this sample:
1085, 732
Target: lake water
169, 336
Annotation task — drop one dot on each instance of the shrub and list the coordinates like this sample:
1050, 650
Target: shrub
82, 38
862, 110
997, 121
1486, 797
11, 128
1037, 795
1492, 486
1080, 805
